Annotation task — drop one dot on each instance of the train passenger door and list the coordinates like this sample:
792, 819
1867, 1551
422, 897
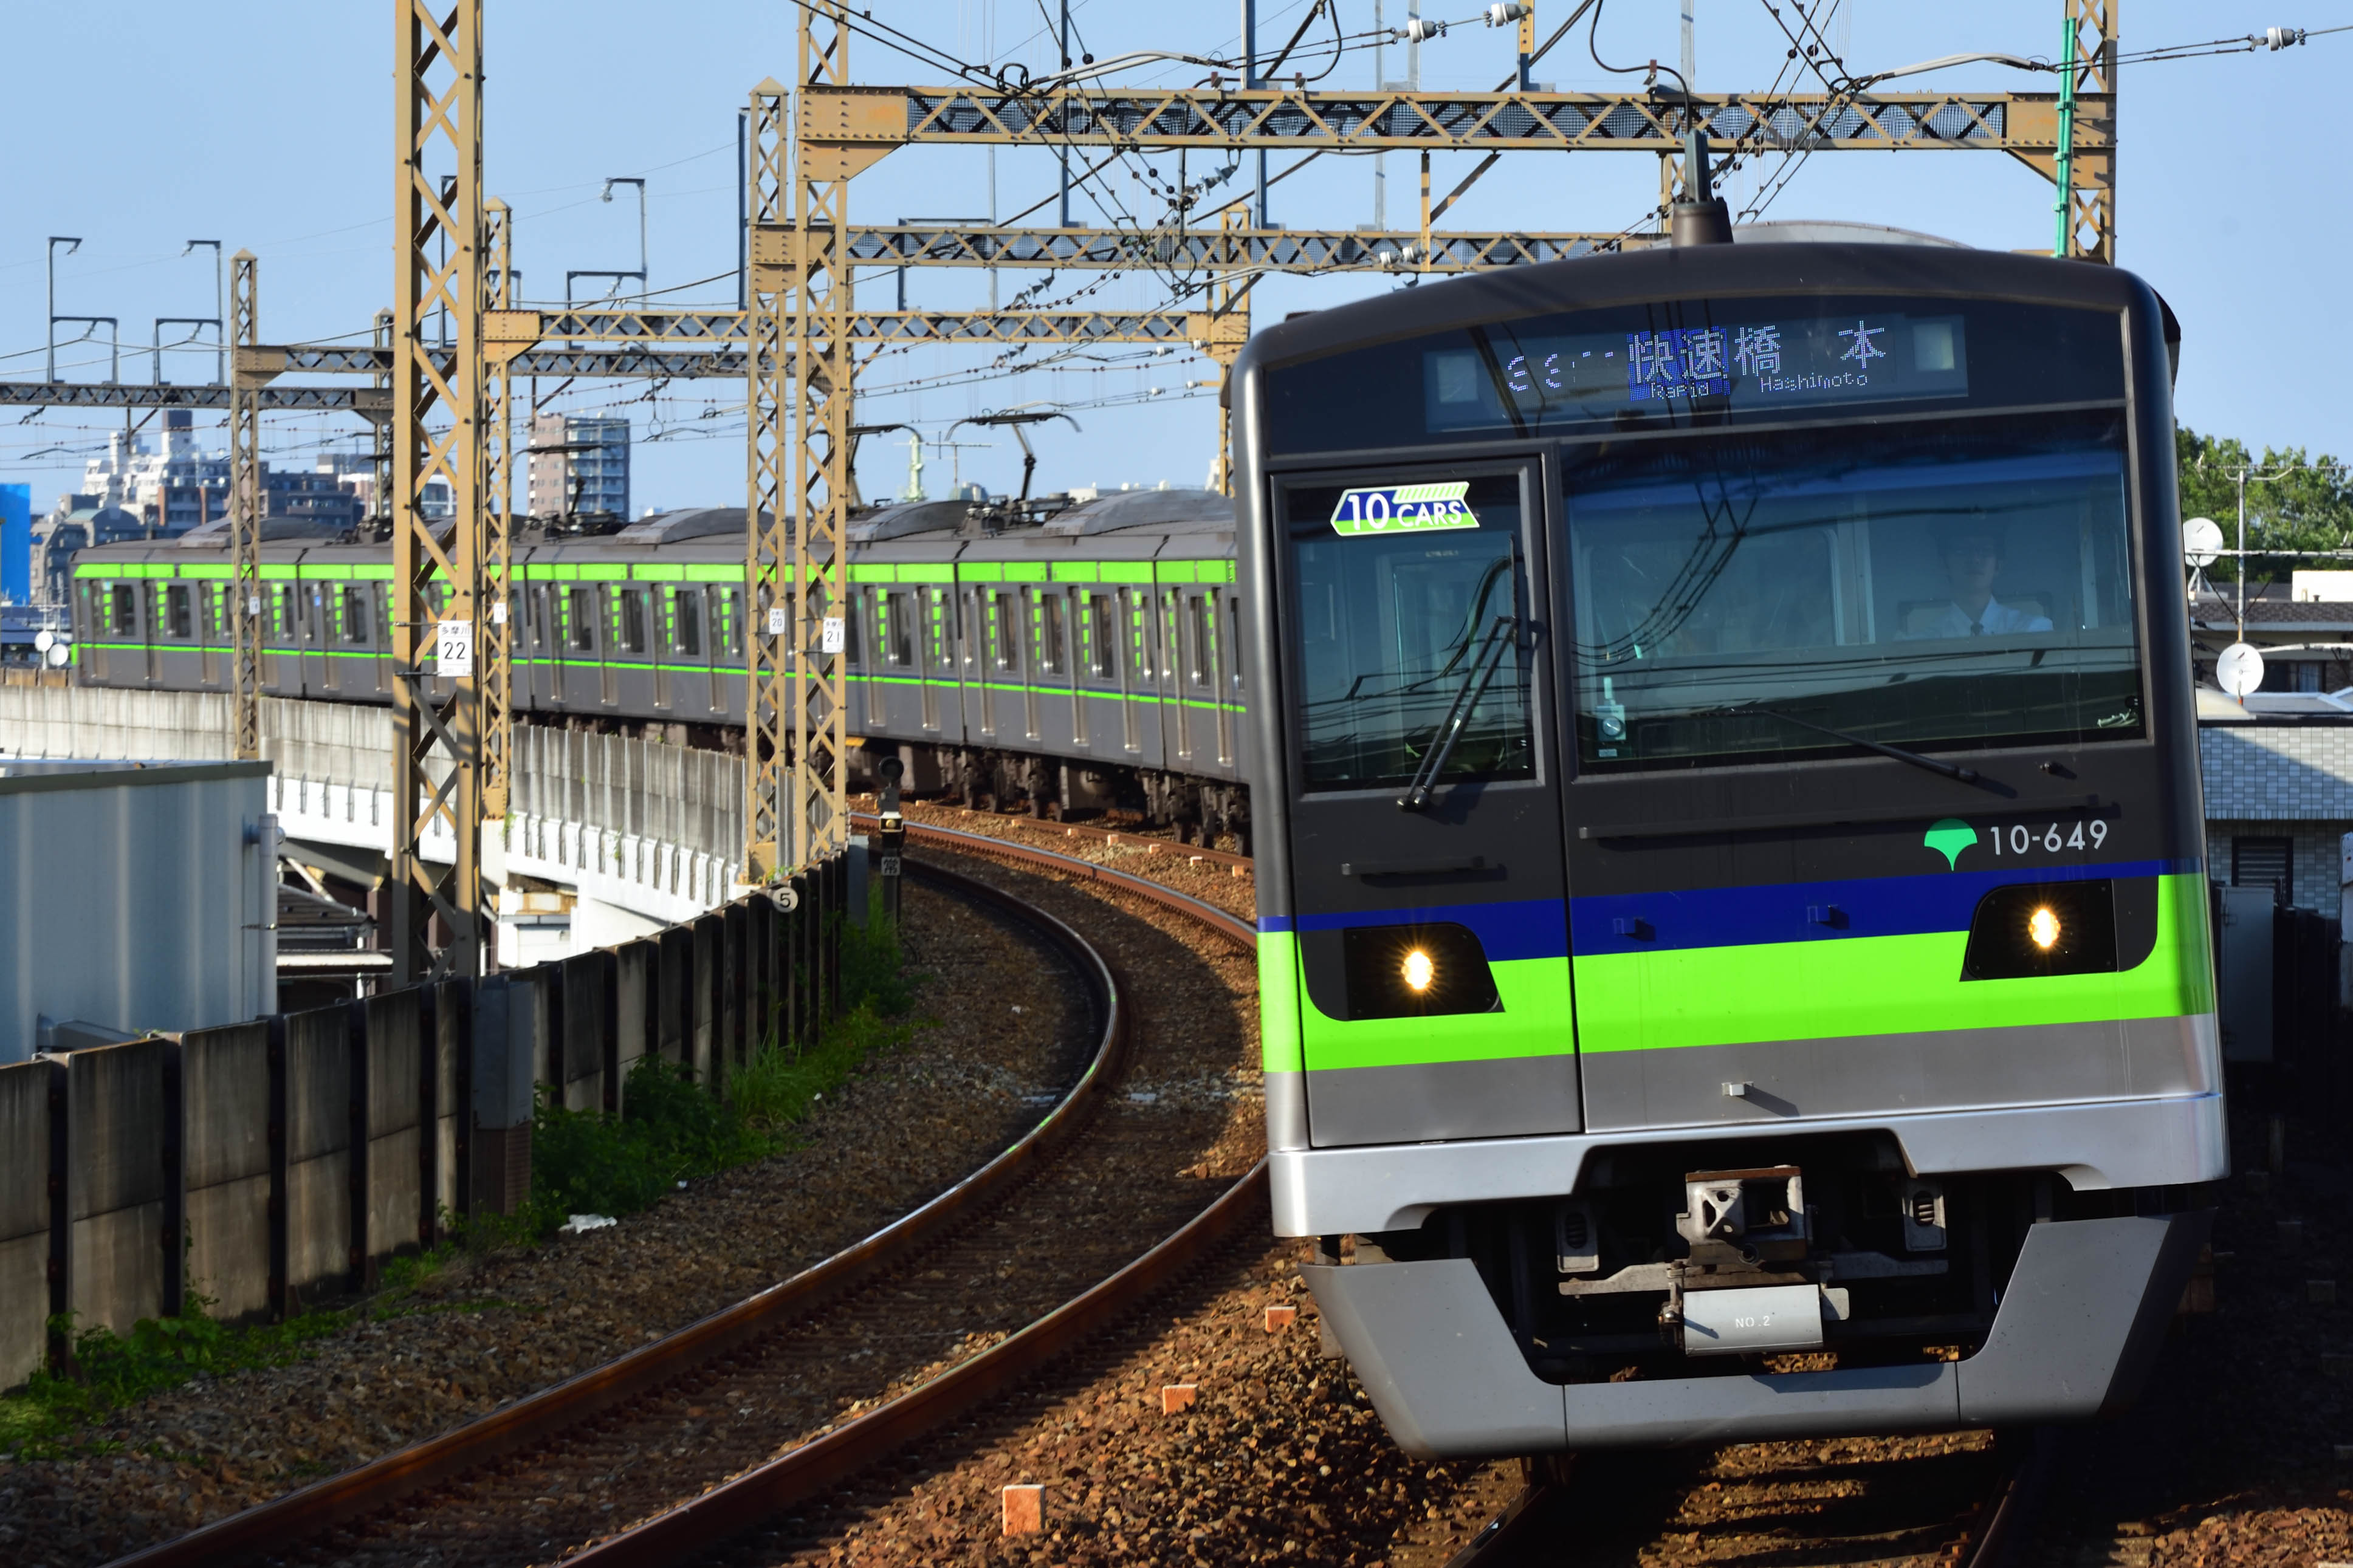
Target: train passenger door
666, 651
1133, 666
1429, 889
610, 670
938, 665
333, 633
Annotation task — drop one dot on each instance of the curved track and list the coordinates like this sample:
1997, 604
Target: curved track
783, 1357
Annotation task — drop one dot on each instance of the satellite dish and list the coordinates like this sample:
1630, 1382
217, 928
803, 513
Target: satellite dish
58, 657
45, 639
2201, 541
2240, 669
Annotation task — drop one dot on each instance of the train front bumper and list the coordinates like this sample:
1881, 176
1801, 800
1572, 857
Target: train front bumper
2077, 1328
2093, 1145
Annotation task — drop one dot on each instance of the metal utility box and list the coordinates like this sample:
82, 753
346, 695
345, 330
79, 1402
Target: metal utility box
135, 897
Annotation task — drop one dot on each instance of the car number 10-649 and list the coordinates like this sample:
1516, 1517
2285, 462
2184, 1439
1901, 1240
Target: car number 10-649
2022, 839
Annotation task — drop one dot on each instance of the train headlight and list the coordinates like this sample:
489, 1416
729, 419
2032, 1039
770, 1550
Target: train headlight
2042, 928
1426, 969
2030, 930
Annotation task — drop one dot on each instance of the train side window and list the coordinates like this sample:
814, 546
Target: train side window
1197, 646
687, 629
126, 609
731, 623
180, 610
580, 612
1169, 635
355, 616
1234, 637
1005, 614
899, 629
286, 610
1050, 634
853, 631
633, 620
1103, 655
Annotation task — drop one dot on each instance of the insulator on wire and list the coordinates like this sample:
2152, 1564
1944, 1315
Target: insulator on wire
1421, 30
1506, 12
2281, 37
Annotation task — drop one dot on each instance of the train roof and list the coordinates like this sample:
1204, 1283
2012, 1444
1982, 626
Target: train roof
1710, 271
1176, 512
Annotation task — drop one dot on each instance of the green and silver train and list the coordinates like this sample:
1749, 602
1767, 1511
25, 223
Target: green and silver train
1075, 658
1734, 950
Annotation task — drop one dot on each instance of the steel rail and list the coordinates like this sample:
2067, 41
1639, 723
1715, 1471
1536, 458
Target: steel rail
1232, 927
312, 1510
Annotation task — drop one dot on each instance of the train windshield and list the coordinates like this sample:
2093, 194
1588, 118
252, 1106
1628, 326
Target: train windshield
1949, 582
1409, 631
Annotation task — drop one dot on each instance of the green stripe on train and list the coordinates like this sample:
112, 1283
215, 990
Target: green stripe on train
1769, 992
1534, 1022
1278, 1001
1876, 985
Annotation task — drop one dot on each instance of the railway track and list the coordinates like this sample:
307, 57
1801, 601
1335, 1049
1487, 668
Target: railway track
689, 1440
1855, 1501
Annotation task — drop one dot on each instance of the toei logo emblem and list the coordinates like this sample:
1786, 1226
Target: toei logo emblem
1948, 839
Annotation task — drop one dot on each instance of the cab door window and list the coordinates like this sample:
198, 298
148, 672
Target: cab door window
1396, 630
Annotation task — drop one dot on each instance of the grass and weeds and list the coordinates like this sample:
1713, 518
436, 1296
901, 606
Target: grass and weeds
673, 1130
108, 1370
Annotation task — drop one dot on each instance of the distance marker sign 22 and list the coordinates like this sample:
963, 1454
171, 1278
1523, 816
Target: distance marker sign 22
1403, 508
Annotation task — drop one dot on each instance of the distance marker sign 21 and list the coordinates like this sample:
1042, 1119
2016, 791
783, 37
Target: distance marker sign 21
1403, 508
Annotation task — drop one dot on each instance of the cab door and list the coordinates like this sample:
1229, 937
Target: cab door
1429, 889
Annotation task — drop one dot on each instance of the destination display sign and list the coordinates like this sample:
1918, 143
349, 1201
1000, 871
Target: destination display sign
1403, 508
1740, 365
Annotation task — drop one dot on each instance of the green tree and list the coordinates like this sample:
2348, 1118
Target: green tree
2307, 506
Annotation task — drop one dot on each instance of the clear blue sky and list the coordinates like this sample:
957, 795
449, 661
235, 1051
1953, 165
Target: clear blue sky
268, 124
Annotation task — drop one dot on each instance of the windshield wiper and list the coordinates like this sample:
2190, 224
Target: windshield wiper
1934, 764
1467, 693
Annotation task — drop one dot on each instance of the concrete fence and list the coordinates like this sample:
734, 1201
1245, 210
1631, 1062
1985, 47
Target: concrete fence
275, 1164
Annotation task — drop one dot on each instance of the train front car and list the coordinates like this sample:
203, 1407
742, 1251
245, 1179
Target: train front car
1734, 953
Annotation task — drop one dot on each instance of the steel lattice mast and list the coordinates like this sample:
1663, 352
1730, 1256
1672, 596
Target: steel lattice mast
437, 434
245, 504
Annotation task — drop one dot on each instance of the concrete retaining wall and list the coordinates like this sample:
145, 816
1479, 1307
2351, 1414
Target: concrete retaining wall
275, 1164
226, 1108
23, 1217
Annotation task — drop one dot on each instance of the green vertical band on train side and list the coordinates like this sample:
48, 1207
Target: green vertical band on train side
1534, 1022
1278, 1001
1875, 985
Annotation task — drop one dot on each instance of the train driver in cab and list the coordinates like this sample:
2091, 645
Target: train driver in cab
1972, 551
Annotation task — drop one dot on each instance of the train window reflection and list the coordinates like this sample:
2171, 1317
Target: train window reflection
580, 615
1393, 627
1949, 582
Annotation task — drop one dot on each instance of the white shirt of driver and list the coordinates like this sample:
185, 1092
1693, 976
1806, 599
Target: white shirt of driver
1997, 617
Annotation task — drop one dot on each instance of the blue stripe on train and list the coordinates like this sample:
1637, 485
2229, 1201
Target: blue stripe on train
1731, 917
